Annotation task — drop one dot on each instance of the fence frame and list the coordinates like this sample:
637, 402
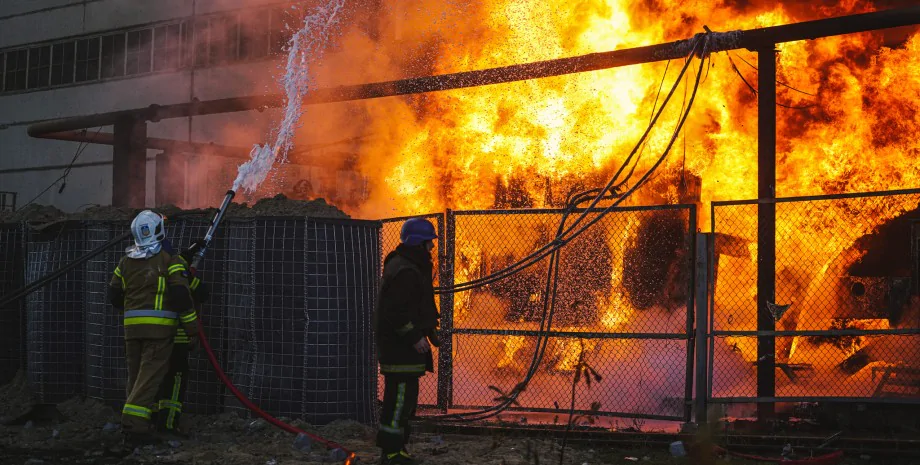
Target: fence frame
713, 333
445, 381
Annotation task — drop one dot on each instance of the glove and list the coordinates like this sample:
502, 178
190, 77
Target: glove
193, 343
189, 253
434, 337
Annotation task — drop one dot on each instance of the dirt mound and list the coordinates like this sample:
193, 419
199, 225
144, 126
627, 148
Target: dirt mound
33, 214
15, 397
278, 205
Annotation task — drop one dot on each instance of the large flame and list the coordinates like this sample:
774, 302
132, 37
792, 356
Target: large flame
848, 123
455, 149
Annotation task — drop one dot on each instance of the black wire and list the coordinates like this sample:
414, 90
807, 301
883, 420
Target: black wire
548, 248
777, 81
80, 148
552, 273
738, 72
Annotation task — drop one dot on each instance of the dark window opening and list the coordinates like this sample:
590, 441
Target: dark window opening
16, 66
39, 67
255, 34
138, 56
167, 47
62, 63
201, 37
113, 55
223, 39
87, 60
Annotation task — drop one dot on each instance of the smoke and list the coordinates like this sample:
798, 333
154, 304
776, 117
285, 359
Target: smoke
306, 46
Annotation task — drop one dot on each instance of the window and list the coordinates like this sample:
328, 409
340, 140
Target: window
201, 38
39, 66
113, 55
62, 63
138, 57
280, 29
254, 35
87, 59
16, 66
167, 42
223, 39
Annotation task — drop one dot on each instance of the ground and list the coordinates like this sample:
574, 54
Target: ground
86, 432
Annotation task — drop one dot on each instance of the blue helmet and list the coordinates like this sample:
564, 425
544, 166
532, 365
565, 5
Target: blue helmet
416, 231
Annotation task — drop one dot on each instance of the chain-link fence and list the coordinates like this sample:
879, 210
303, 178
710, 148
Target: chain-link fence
389, 239
623, 305
844, 320
289, 317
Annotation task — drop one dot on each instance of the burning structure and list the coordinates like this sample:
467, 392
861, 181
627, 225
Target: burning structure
532, 143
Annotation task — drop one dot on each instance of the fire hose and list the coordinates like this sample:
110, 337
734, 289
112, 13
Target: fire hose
350, 457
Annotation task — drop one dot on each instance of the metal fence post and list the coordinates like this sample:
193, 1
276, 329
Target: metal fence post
691, 298
446, 280
766, 229
701, 276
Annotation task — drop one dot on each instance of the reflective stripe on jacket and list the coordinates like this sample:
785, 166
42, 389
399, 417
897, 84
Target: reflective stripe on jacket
149, 311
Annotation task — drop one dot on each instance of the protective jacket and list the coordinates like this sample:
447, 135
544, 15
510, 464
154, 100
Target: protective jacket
406, 311
154, 295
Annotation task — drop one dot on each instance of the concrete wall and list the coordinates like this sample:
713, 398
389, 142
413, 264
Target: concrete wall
29, 21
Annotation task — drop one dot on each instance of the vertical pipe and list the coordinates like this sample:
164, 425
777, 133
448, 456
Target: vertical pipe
129, 164
446, 351
692, 283
766, 227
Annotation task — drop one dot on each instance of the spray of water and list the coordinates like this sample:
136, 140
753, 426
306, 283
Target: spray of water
306, 46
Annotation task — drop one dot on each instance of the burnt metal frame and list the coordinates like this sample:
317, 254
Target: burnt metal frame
771, 333
446, 376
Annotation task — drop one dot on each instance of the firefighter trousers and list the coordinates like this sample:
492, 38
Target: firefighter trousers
400, 399
148, 362
172, 390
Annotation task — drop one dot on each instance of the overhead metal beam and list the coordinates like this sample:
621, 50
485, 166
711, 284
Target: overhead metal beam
154, 143
751, 39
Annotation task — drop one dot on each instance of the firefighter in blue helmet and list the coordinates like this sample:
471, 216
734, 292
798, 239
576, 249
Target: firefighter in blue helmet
406, 325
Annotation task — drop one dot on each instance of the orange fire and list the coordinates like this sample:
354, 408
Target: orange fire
852, 128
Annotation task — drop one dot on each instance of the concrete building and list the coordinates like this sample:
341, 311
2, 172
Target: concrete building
66, 58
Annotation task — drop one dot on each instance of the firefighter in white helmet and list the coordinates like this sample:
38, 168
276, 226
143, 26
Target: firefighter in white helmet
151, 286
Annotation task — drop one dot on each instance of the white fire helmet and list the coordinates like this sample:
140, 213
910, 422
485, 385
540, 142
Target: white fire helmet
148, 228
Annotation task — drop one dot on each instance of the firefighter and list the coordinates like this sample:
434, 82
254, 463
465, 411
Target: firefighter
168, 409
406, 326
150, 285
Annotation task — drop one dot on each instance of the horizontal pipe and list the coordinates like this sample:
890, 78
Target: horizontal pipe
801, 198
827, 399
821, 332
597, 413
154, 143
569, 334
33, 286
750, 39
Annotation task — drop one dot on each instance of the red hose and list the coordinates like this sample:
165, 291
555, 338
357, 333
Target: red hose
255, 409
828, 459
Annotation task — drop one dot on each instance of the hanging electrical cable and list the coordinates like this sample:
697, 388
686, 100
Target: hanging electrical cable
548, 248
551, 287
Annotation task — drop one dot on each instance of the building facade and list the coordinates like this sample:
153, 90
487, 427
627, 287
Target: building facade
66, 58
